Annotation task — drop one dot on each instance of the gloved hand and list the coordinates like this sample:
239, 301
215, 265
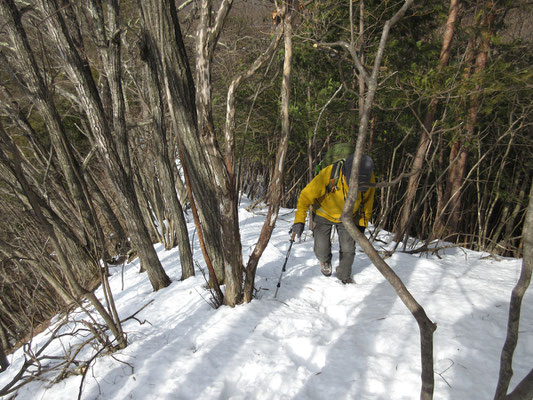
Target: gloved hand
298, 229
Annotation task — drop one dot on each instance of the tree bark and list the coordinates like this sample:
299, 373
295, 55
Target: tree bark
524, 390
4, 363
222, 165
513, 324
109, 136
162, 30
427, 128
277, 178
44, 102
424, 323
61, 245
168, 183
447, 223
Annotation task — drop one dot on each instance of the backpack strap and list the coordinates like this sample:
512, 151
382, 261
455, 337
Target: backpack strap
333, 184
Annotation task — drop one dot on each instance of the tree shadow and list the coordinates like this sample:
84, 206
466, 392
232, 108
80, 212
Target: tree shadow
374, 360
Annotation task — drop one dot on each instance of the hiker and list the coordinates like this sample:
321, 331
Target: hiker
328, 203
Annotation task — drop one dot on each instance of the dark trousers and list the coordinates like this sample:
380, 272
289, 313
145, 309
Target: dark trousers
322, 245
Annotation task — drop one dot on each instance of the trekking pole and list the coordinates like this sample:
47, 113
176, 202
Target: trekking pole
285, 263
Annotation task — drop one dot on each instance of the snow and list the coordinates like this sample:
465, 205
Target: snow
319, 339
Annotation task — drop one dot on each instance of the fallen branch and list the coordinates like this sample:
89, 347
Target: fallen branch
137, 312
28, 362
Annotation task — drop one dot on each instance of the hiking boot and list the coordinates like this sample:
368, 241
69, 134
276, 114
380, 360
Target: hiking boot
325, 268
347, 281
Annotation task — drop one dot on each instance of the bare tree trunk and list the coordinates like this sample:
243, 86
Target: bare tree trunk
63, 248
4, 341
506, 360
360, 43
214, 283
425, 325
162, 32
168, 183
448, 220
11, 251
119, 241
513, 219
43, 99
524, 390
4, 363
109, 136
222, 165
277, 178
311, 151
427, 128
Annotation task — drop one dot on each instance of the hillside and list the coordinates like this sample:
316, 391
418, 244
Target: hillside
317, 340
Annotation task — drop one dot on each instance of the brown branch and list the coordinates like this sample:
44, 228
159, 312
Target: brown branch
132, 316
10, 386
395, 181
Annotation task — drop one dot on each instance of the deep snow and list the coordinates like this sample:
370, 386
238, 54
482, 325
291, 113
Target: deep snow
318, 339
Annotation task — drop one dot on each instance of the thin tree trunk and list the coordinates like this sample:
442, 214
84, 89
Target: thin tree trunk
120, 239
427, 127
425, 325
62, 246
4, 341
448, 223
277, 179
513, 220
513, 324
360, 46
43, 99
11, 251
524, 390
168, 183
110, 136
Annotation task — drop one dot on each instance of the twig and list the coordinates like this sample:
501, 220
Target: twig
137, 312
440, 373
10, 387
84, 373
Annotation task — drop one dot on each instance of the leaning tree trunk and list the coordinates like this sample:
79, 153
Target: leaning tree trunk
42, 97
4, 363
524, 389
110, 137
426, 326
161, 30
63, 247
168, 184
4, 341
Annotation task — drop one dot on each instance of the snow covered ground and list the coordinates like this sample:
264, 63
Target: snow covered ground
318, 339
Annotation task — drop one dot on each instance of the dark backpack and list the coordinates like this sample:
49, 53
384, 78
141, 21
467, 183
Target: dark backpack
366, 167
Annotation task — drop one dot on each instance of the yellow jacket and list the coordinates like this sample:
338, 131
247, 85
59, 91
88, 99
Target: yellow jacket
331, 205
